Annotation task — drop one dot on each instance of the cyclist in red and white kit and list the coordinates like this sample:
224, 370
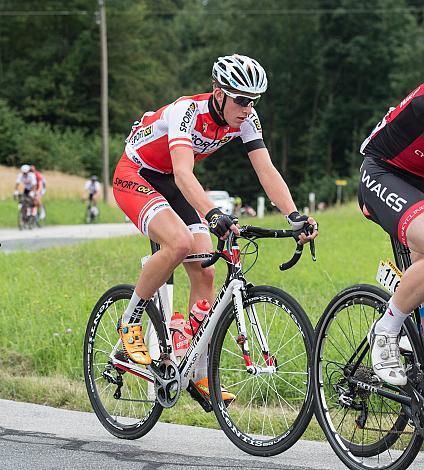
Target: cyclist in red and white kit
40, 190
155, 186
391, 193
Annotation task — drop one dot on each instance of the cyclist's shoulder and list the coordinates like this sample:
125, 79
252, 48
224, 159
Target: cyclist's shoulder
252, 122
191, 103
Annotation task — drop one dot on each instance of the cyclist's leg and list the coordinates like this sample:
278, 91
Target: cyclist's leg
152, 214
202, 287
410, 292
201, 280
175, 245
396, 202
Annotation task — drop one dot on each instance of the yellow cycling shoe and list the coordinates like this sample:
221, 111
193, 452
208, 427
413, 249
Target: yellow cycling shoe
133, 342
203, 386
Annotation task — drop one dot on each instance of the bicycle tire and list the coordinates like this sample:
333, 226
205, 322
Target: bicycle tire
120, 416
21, 222
356, 435
286, 327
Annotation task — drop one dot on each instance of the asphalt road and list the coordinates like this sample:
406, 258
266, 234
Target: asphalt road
35, 437
12, 239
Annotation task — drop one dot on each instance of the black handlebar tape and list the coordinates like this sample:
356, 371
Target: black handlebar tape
215, 256
294, 260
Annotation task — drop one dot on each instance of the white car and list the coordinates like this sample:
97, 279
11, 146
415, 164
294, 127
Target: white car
222, 201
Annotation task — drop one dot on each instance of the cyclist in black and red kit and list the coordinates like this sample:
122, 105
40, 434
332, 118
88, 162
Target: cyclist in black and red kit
155, 186
391, 193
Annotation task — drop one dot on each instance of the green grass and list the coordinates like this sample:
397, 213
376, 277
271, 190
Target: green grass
60, 212
47, 296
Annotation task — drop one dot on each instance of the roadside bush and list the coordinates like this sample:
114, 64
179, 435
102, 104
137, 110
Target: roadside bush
69, 151
92, 159
10, 127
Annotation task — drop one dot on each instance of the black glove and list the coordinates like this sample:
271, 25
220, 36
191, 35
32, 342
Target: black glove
219, 223
296, 220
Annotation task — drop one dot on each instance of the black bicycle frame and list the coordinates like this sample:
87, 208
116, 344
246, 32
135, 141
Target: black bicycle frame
402, 257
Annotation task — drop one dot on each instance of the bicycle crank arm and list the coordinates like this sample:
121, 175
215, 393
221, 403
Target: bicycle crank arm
167, 382
196, 395
416, 410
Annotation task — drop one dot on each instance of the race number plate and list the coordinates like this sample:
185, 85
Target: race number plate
388, 275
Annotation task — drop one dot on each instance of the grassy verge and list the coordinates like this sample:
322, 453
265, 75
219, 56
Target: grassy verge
61, 212
47, 296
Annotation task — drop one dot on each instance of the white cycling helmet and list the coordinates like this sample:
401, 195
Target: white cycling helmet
241, 74
25, 168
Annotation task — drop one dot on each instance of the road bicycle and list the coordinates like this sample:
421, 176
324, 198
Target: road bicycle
26, 219
92, 211
369, 423
260, 348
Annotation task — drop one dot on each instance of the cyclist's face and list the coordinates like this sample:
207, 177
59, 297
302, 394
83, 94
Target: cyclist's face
234, 113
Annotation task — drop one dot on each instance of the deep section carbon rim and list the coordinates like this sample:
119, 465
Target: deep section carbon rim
124, 403
272, 408
365, 429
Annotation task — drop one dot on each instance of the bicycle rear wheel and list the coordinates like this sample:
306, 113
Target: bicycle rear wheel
365, 429
124, 403
272, 409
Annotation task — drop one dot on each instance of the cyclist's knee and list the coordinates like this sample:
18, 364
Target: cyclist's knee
204, 276
415, 234
179, 245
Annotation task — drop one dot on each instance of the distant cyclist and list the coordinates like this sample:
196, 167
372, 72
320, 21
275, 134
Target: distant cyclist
40, 190
27, 181
92, 190
391, 193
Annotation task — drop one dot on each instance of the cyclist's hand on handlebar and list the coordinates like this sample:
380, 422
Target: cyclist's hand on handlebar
298, 222
221, 224
312, 231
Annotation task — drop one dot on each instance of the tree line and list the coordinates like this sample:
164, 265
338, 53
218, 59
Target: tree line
334, 67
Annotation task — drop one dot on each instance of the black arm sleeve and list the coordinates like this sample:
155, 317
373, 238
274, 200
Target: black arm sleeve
254, 145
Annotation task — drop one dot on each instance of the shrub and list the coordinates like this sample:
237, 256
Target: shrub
10, 127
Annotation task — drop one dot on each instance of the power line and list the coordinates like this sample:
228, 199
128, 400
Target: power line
206, 11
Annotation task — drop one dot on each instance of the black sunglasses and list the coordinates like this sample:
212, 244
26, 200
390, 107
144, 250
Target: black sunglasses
246, 101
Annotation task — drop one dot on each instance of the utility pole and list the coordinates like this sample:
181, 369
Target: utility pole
104, 99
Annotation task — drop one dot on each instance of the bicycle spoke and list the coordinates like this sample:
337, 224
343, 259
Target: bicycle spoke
373, 427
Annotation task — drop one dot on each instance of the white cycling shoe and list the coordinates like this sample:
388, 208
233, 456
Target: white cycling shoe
385, 357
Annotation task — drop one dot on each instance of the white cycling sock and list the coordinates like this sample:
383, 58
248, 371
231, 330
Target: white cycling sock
134, 310
201, 367
391, 321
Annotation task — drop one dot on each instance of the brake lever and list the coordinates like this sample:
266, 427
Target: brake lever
312, 247
308, 231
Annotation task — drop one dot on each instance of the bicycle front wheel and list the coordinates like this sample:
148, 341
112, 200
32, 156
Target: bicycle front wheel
365, 429
273, 405
125, 404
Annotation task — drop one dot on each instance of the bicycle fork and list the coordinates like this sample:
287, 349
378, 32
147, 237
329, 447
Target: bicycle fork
242, 338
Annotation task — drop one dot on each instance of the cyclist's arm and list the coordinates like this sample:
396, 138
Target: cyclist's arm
271, 180
276, 188
183, 163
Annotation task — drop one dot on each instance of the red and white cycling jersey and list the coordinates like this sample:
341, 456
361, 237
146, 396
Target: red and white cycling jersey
398, 138
187, 122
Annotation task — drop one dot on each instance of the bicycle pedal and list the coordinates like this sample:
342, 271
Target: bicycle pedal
121, 356
197, 396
